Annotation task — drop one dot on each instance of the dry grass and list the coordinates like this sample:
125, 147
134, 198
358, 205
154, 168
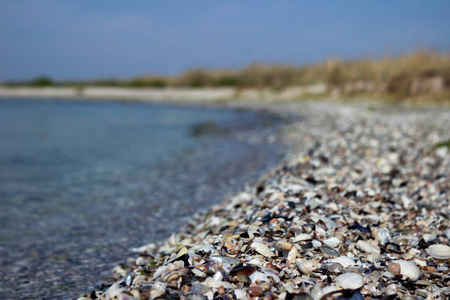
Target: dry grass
420, 74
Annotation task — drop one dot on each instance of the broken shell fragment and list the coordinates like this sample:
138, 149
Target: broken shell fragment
262, 249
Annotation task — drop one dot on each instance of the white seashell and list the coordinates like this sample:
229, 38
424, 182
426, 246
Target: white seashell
210, 282
388, 275
288, 286
383, 236
307, 267
447, 233
262, 249
329, 289
292, 254
350, 281
408, 269
113, 291
198, 272
439, 251
316, 243
159, 272
367, 247
343, 261
302, 237
240, 294
374, 257
208, 248
218, 276
332, 242
427, 237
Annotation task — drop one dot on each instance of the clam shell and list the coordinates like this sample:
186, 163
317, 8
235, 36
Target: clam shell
262, 249
350, 281
292, 255
332, 242
367, 247
343, 261
307, 267
408, 269
302, 237
439, 251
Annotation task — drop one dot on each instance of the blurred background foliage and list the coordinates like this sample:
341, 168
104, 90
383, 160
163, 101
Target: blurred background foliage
416, 74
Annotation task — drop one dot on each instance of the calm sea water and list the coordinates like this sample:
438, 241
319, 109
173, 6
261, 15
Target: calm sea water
83, 182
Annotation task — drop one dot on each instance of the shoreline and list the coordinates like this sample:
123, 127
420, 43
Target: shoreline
60, 265
329, 222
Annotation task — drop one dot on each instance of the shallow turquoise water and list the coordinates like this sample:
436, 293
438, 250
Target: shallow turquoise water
82, 182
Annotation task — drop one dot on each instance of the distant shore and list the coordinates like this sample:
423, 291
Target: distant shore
204, 96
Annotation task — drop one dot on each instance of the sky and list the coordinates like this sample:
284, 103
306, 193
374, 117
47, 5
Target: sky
85, 39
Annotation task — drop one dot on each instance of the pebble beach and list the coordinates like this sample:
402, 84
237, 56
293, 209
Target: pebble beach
358, 210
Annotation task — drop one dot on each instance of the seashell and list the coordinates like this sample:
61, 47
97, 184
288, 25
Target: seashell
289, 286
241, 269
350, 281
263, 276
383, 236
256, 291
335, 268
367, 247
262, 249
173, 276
332, 242
198, 272
439, 251
302, 237
329, 289
292, 255
207, 249
316, 243
408, 269
344, 261
285, 246
210, 282
307, 267
240, 294
374, 257
328, 251
265, 286
159, 272
427, 237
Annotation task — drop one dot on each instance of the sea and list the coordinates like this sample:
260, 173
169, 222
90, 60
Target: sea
83, 182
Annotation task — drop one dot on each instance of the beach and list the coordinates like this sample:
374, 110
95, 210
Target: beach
359, 209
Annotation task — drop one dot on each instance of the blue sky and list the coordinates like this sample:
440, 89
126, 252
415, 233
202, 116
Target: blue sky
87, 39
